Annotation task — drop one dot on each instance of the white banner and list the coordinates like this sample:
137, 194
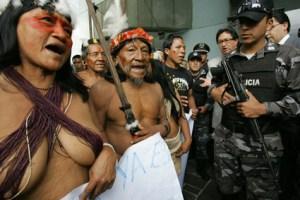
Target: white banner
144, 172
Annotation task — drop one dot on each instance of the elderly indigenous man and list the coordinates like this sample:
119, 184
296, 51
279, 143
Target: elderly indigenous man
48, 141
131, 50
95, 62
271, 76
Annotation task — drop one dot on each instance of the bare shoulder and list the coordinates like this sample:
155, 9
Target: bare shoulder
102, 91
2, 83
155, 87
5, 86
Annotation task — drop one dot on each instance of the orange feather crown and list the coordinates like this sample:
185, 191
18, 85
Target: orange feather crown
130, 35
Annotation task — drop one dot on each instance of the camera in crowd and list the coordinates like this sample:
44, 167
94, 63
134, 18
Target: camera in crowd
217, 71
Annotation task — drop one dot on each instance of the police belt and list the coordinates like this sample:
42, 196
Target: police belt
244, 127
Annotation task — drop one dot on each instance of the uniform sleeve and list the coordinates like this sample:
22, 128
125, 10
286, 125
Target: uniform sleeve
288, 78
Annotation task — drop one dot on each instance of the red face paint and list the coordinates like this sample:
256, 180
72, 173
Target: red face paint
50, 24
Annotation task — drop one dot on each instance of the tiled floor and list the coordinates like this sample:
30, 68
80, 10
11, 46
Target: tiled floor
195, 188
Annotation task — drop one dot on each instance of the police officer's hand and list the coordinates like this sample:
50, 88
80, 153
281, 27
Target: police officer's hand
222, 98
195, 112
202, 109
251, 108
206, 82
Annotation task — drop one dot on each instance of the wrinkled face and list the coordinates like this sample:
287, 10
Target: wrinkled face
277, 31
176, 52
194, 64
95, 59
44, 39
134, 59
251, 32
226, 43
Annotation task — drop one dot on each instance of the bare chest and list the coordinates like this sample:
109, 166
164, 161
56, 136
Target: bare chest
145, 104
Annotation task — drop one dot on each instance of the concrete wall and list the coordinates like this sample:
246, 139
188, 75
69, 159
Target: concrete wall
294, 16
208, 17
211, 15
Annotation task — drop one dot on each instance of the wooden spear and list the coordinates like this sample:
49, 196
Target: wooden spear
132, 125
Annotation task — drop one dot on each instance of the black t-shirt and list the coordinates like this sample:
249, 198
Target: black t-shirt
181, 79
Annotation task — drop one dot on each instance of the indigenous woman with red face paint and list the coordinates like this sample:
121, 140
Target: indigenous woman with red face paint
49, 143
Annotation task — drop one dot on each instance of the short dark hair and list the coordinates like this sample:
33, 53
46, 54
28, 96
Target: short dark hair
229, 30
169, 41
281, 17
158, 75
76, 56
9, 48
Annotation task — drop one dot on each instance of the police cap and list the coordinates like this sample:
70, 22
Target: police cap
254, 10
201, 47
194, 55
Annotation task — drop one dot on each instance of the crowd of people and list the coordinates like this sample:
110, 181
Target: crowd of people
66, 125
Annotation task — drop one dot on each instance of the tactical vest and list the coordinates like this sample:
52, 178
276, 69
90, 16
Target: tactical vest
200, 93
260, 79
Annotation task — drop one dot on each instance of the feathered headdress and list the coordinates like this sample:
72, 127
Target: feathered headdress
61, 6
114, 20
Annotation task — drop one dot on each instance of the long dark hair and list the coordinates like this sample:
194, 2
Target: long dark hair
9, 48
159, 76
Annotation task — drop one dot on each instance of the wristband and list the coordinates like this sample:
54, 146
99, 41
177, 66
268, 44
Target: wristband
105, 144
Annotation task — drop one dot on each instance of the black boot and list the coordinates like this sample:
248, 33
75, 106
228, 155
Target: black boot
231, 197
237, 196
202, 169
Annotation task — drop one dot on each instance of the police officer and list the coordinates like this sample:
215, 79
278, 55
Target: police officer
272, 78
203, 49
201, 130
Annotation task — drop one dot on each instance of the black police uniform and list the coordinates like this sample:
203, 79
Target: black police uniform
273, 77
202, 125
